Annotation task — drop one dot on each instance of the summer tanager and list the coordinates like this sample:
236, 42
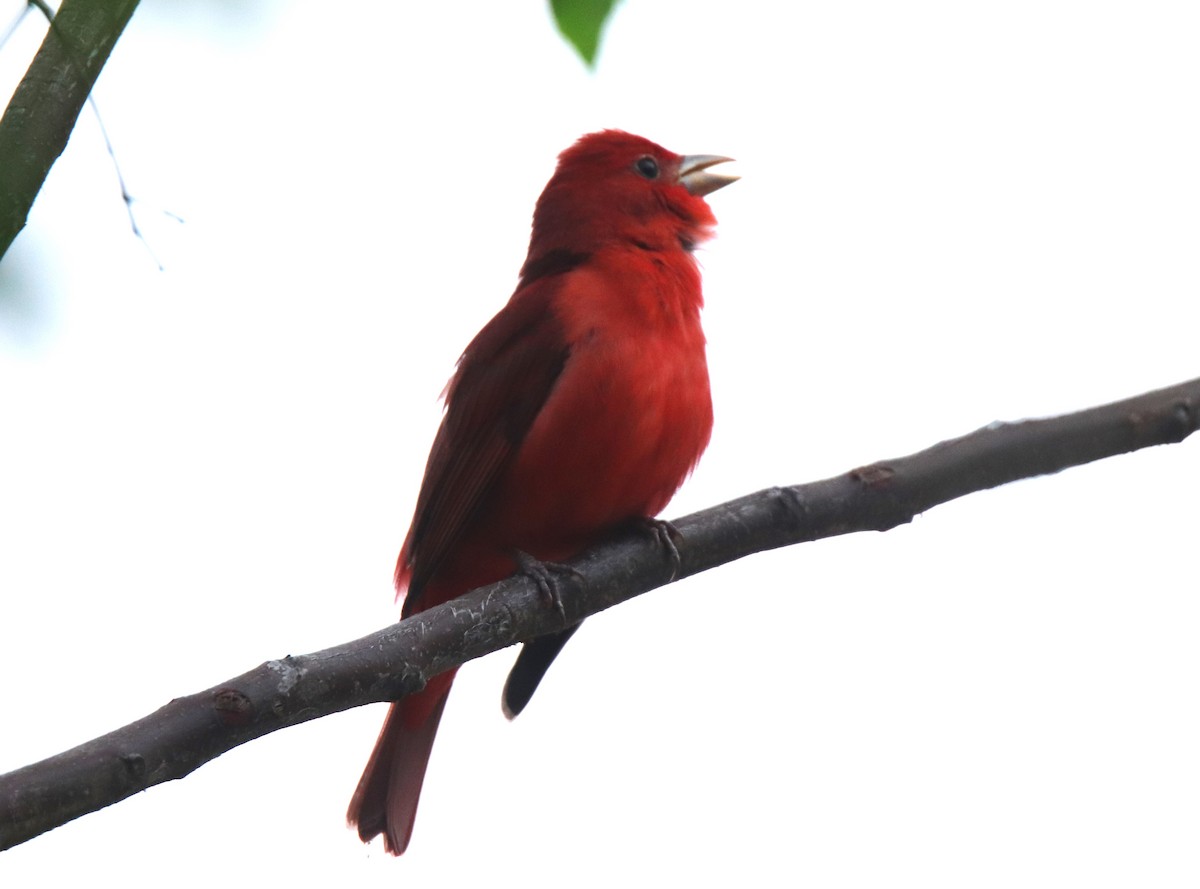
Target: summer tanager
581, 407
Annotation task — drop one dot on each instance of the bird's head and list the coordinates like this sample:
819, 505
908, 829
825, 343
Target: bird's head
612, 187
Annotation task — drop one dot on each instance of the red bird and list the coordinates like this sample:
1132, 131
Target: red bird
581, 407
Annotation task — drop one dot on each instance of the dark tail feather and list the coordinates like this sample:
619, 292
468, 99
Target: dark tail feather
532, 663
385, 801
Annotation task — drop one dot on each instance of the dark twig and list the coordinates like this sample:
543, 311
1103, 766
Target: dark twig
43, 110
190, 731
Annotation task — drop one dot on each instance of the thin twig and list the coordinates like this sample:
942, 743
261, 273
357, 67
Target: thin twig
126, 197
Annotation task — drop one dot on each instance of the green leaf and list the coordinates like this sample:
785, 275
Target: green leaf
581, 22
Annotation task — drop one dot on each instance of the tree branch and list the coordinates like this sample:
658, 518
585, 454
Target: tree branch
43, 110
385, 665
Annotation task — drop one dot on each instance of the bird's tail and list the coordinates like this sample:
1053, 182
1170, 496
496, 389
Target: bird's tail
385, 801
531, 665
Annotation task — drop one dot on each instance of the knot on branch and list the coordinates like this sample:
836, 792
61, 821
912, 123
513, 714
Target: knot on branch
885, 503
792, 504
233, 707
1186, 417
135, 765
876, 476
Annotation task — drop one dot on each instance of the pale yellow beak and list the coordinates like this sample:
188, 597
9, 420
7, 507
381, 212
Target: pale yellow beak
695, 177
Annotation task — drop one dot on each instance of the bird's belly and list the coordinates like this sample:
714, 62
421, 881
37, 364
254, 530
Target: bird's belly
618, 436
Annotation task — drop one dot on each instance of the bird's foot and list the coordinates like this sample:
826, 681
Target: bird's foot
667, 536
547, 576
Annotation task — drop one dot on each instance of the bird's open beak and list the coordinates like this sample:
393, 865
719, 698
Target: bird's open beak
695, 177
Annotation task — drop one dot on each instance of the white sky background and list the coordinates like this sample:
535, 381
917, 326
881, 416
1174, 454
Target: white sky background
951, 213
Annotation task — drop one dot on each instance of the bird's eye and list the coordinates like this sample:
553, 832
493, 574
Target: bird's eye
647, 166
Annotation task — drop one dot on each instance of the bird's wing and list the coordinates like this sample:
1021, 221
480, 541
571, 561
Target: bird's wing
503, 379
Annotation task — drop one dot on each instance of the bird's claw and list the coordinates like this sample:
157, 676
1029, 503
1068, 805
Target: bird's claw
668, 537
544, 575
